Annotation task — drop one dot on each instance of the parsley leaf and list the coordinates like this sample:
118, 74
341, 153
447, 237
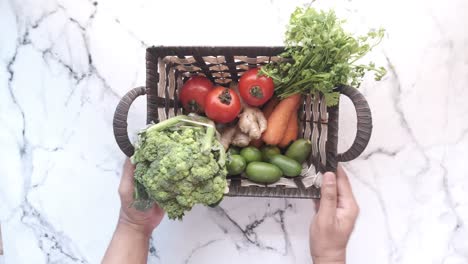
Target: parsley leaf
320, 55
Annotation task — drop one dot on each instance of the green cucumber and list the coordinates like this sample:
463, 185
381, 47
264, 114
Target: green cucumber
289, 166
251, 154
269, 151
263, 172
299, 150
236, 165
233, 150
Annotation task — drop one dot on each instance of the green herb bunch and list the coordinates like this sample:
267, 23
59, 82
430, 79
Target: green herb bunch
320, 55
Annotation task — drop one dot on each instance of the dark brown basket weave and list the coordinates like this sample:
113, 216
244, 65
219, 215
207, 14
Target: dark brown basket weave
168, 67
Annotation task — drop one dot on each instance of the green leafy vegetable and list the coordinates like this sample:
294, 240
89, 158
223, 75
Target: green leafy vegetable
323, 56
179, 163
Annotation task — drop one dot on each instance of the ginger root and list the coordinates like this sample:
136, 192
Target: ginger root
251, 121
234, 136
240, 139
227, 135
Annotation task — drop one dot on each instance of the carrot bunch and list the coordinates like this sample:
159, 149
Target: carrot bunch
282, 125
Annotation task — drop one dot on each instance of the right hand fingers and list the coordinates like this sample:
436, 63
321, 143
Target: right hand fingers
329, 199
346, 198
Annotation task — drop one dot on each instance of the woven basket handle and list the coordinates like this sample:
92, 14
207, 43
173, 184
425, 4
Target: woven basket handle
364, 124
120, 120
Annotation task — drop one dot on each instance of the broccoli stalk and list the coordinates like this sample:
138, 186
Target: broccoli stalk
166, 123
210, 130
208, 140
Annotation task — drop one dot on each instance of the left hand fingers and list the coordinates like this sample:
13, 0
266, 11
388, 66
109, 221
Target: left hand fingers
126, 182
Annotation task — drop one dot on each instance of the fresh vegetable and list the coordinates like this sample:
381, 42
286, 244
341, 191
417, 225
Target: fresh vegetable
289, 166
179, 163
222, 105
263, 172
233, 150
227, 136
269, 151
255, 89
240, 139
251, 125
193, 94
291, 131
217, 203
323, 56
251, 154
236, 165
233, 136
278, 121
252, 122
299, 150
267, 110
270, 106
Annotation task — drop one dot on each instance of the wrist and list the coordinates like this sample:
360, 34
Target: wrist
318, 261
336, 259
132, 228
325, 260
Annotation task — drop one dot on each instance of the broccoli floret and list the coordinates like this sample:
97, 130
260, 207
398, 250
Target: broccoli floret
140, 170
180, 164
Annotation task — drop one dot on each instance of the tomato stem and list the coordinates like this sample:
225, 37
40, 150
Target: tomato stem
225, 97
193, 106
256, 91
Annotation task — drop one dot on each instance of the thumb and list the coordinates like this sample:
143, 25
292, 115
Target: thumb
328, 202
126, 182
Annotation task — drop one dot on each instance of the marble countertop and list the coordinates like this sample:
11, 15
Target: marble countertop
64, 64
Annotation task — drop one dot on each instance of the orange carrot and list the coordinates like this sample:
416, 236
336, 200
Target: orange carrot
270, 106
267, 110
279, 119
291, 132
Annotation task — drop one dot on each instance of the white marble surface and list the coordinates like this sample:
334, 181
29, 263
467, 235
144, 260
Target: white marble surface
64, 64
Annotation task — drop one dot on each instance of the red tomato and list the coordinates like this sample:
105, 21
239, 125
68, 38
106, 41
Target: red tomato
255, 89
193, 94
222, 105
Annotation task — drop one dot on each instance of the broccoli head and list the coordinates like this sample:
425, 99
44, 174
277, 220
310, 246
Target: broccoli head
179, 163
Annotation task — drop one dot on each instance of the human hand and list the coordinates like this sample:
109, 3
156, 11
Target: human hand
141, 221
332, 225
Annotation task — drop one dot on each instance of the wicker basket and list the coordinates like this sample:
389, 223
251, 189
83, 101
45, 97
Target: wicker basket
168, 67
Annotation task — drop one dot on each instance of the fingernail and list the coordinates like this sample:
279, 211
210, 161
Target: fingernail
329, 178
